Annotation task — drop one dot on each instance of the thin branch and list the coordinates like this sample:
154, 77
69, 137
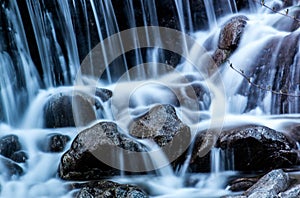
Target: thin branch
285, 13
268, 88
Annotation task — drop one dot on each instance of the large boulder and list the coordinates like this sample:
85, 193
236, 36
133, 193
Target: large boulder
162, 126
258, 148
107, 189
94, 150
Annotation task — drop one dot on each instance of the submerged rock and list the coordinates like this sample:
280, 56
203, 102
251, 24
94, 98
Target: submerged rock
269, 185
9, 168
107, 189
242, 184
258, 148
94, 149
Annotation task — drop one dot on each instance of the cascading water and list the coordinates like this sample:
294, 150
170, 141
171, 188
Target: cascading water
42, 44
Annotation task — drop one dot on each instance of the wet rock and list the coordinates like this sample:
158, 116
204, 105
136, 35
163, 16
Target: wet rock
287, 24
292, 192
107, 189
229, 38
94, 150
162, 125
203, 95
251, 144
103, 94
58, 111
19, 157
231, 33
200, 162
269, 185
55, 142
242, 184
9, 145
276, 72
9, 168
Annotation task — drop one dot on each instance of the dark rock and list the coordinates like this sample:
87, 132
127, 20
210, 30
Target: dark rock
55, 143
162, 125
287, 24
203, 95
232, 32
269, 185
19, 157
94, 150
9, 168
220, 56
103, 94
107, 189
200, 162
58, 111
9, 144
251, 144
292, 192
229, 38
242, 184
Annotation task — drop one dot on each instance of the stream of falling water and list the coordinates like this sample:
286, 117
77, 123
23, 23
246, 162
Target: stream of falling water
24, 91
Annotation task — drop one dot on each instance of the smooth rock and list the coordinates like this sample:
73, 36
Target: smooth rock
59, 111
242, 184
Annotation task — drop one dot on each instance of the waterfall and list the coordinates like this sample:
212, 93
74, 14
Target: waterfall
147, 52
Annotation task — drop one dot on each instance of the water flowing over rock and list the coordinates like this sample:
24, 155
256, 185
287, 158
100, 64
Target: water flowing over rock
83, 161
106, 189
251, 144
9, 168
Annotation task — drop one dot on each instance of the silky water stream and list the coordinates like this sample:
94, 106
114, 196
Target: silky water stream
43, 44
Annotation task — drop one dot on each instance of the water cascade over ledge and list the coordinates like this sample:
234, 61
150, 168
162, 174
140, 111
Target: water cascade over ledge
137, 98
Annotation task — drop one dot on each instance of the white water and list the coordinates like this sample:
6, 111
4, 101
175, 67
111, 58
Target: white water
40, 178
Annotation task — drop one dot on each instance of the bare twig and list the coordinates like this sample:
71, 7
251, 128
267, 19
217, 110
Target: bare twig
268, 88
285, 13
